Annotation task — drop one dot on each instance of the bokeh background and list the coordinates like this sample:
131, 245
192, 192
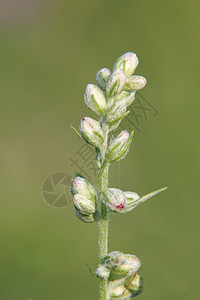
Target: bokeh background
49, 51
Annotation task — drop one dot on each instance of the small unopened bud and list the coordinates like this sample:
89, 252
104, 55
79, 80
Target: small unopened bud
128, 62
102, 272
84, 205
119, 291
131, 196
135, 82
114, 199
91, 132
102, 78
129, 267
95, 99
114, 259
134, 284
116, 112
119, 146
80, 185
129, 96
87, 219
115, 83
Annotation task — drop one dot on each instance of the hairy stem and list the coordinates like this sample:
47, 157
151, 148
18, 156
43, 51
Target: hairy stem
104, 218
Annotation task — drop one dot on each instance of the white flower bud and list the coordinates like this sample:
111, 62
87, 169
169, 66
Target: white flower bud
102, 78
116, 112
134, 284
94, 98
115, 83
80, 185
119, 146
84, 205
91, 132
135, 82
118, 291
86, 219
129, 96
102, 272
114, 199
129, 267
128, 62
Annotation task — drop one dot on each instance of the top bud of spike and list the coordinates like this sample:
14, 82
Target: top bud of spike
102, 78
128, 62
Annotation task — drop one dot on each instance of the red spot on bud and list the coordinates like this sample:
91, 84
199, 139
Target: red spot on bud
120, 206
83, 119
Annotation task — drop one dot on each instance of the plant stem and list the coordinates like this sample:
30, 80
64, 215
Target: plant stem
104, 218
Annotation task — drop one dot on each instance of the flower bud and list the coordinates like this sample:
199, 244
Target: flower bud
115, 83
114, 199
80, 185
92, 132
94, 98
119, 146
87, 219
129, 96
102, 272
129, 267
135, 82
134, 284
128, 62
118, 292
114, 259
116, 112
102, 78
84, 205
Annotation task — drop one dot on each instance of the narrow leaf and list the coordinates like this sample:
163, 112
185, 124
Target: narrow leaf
146, 197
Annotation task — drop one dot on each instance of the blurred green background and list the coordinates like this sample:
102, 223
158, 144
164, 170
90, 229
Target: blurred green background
49, 51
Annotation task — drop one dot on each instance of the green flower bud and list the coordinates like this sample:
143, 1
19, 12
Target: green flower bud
102, 78
86, 219
134, 284
80, 185
116, 112
92, 132
129, 267
84, 205
94, 98
119, 146
135, 82
114, 259
129, 96
128, 62
114, 199
102, 272
115, 83
118, 291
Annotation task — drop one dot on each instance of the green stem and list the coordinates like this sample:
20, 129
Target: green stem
104, 218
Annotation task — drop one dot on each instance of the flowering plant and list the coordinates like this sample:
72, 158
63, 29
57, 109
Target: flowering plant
109, 99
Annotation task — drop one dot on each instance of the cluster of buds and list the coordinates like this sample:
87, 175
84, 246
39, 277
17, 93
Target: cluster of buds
122, 202
84, 199
110, 99
121, 272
